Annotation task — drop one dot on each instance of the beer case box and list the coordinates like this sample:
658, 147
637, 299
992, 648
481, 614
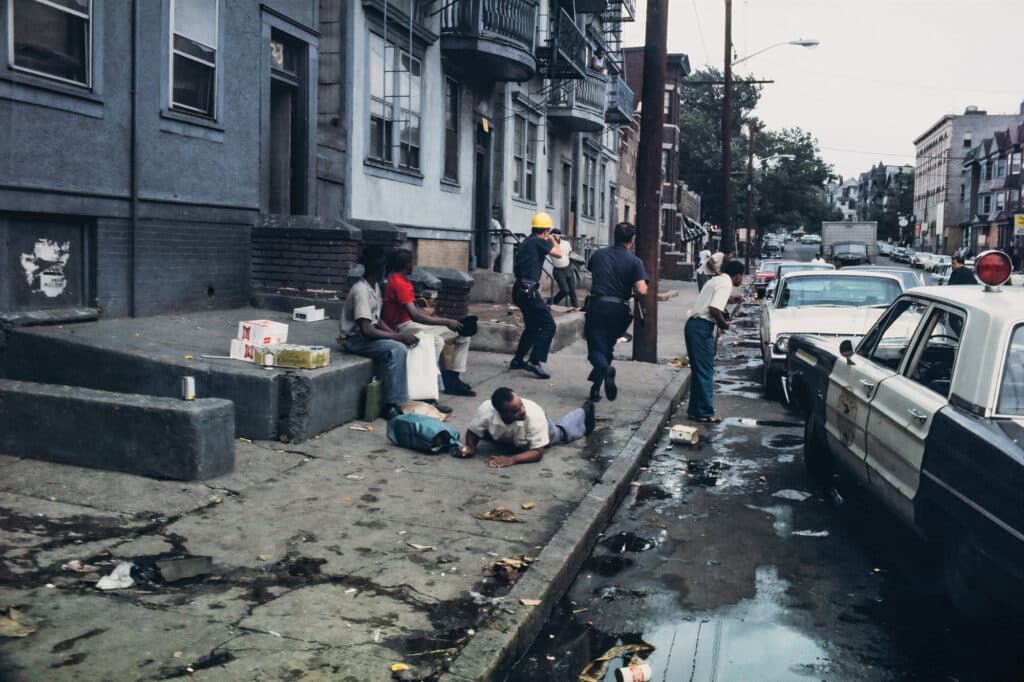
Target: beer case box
294, 356
262, 332
243, 350
308, 313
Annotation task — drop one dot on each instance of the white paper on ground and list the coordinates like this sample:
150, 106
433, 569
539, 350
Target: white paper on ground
119, 579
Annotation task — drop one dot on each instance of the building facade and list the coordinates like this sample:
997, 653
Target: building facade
940, 184
842, 196
141, 141
993, 202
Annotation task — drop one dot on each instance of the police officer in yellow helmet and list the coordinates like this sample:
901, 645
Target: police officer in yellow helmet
539, 325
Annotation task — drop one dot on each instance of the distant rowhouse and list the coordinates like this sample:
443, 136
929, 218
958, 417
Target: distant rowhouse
992, 172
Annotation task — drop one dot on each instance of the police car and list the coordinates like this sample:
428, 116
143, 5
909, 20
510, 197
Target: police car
927, 413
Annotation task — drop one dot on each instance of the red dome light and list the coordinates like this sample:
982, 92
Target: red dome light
993, 268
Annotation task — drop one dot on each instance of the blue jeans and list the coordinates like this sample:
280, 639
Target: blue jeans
389, 357
700, 347
569, 428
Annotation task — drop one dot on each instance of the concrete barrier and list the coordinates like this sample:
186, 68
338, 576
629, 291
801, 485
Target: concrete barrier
136, 434
502, 337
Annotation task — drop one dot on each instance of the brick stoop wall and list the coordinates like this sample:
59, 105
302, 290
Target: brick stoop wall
453, 297
673, 264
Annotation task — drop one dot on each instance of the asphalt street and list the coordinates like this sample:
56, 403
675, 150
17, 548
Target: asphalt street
734, 567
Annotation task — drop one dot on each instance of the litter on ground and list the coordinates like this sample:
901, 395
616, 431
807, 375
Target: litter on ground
795, 495
499, 514
119, 579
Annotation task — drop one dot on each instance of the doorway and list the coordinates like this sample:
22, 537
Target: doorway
481, 256
288, 129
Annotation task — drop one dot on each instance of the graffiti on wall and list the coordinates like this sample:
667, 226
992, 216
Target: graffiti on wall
45, 267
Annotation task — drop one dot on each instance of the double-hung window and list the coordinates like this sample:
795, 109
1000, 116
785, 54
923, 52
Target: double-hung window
602, 183
550, 153
451, 130
194, 56
52, 38
589, 180
396, 85
1015, 163
524, 153
1000, 201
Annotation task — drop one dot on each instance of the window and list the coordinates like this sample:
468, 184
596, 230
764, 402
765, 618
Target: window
1011, 391
986, 203
589, 171
1000, 171
967, 141
194, 55
396, 86
888, 341
52, 38
551, 176
602, 183
987, 169
668, 106
1000, 201
666, 156
524, 153
963, 191
933, 364
1015, 163
451, 130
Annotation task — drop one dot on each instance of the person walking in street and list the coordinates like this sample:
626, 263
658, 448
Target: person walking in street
520, 425
561, 270
708, 313
538, 324
617, 272
959, 274
818, 259
364, 333
401, 313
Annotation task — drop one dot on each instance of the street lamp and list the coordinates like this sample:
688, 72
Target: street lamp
728, 233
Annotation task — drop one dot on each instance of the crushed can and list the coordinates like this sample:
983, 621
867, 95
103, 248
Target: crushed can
634, 673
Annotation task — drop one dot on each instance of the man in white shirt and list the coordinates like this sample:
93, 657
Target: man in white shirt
521, 425
711, 265
707, 314
562, 273
818, 258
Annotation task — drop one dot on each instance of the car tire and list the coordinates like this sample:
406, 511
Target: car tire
771, 382
817, 458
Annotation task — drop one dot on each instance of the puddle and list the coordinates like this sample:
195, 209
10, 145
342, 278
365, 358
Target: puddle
651, 492
607, 565
705, 472
784, 441
783, 518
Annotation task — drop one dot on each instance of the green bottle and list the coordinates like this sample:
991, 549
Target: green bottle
374, 396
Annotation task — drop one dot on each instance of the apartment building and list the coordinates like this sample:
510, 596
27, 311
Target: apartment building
940, 182
993, 201
842, 196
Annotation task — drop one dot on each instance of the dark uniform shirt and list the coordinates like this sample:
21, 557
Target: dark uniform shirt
962, 275
530, 259
615, 269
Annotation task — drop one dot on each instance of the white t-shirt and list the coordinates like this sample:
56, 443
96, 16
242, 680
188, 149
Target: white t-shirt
704, 270
715, 294
818, 259
529, 434
563, 260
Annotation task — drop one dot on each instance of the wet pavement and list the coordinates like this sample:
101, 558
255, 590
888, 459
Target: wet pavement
728, 562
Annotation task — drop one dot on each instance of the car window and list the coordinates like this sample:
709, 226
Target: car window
838, 291
935, 360
888, 341
1011, 390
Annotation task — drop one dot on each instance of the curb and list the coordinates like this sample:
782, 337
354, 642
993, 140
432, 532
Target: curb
496, 647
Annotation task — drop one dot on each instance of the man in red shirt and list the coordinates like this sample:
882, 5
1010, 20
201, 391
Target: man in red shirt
401, 313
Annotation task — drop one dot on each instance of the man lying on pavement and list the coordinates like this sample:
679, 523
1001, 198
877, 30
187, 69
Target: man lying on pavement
521, 425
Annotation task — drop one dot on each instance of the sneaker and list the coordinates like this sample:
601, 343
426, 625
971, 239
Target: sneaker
535, 369
610, 389
589, 420
460, 389
443, 409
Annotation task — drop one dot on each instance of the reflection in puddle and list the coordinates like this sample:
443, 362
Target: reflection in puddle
783, 515
746, 641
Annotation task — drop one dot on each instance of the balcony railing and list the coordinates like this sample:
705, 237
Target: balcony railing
498, 36
580, 104
620, 101
565, 55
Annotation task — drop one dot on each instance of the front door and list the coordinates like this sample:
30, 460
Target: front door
904, 405
852, 387
288, 129
482, 199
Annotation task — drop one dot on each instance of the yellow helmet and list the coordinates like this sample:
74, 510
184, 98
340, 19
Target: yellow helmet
541, 221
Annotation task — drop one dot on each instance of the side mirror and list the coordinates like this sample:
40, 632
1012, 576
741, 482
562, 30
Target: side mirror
846, 350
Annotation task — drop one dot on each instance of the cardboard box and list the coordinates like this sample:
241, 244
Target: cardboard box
243, 350
308, 313
295, 356
262, 332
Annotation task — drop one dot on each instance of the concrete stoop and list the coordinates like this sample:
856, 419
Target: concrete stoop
503, 337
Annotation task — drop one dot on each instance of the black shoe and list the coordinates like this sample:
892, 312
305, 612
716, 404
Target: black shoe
443, 409
610, 389
390, 412
460, 389
595, 393
535, 369
589, 421
517, 363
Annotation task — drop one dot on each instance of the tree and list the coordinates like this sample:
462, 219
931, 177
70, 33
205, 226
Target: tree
792, 193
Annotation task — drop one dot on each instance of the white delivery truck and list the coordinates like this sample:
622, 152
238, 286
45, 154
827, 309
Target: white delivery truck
863, 232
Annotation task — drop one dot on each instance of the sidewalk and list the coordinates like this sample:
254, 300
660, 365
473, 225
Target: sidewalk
318, 568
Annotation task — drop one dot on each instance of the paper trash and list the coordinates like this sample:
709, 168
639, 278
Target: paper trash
119, 579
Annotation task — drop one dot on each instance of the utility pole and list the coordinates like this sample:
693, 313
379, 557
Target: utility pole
648, 176
728, 241
751, 243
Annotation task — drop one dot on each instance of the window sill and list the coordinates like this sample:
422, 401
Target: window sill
525, 203
382, 169
190, 126
51, 94
451, 186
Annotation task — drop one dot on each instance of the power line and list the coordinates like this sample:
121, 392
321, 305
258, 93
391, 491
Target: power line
707, 55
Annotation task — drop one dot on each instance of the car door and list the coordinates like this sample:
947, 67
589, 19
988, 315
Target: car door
904, 405
852, 384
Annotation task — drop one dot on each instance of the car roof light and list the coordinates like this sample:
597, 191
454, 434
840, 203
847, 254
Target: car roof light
993, 268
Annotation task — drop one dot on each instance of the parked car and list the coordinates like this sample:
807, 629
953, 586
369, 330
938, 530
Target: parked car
898, 254
845, 254
918, 259
810, 239
771, 249
791, 266
935, 261
927, 413
910, 278
885, 249
836, 304
765, 274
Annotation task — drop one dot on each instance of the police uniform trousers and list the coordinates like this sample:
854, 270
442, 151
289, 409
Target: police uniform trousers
538, 324
606, 322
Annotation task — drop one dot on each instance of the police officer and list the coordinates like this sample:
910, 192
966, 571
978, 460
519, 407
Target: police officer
539, 325
616, 272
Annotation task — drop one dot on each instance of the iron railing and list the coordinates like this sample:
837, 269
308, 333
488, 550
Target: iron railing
588, 93
565, 55
620, 101
513, 21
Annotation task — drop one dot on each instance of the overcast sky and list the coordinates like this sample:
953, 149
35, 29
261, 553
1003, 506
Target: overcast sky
885, 70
